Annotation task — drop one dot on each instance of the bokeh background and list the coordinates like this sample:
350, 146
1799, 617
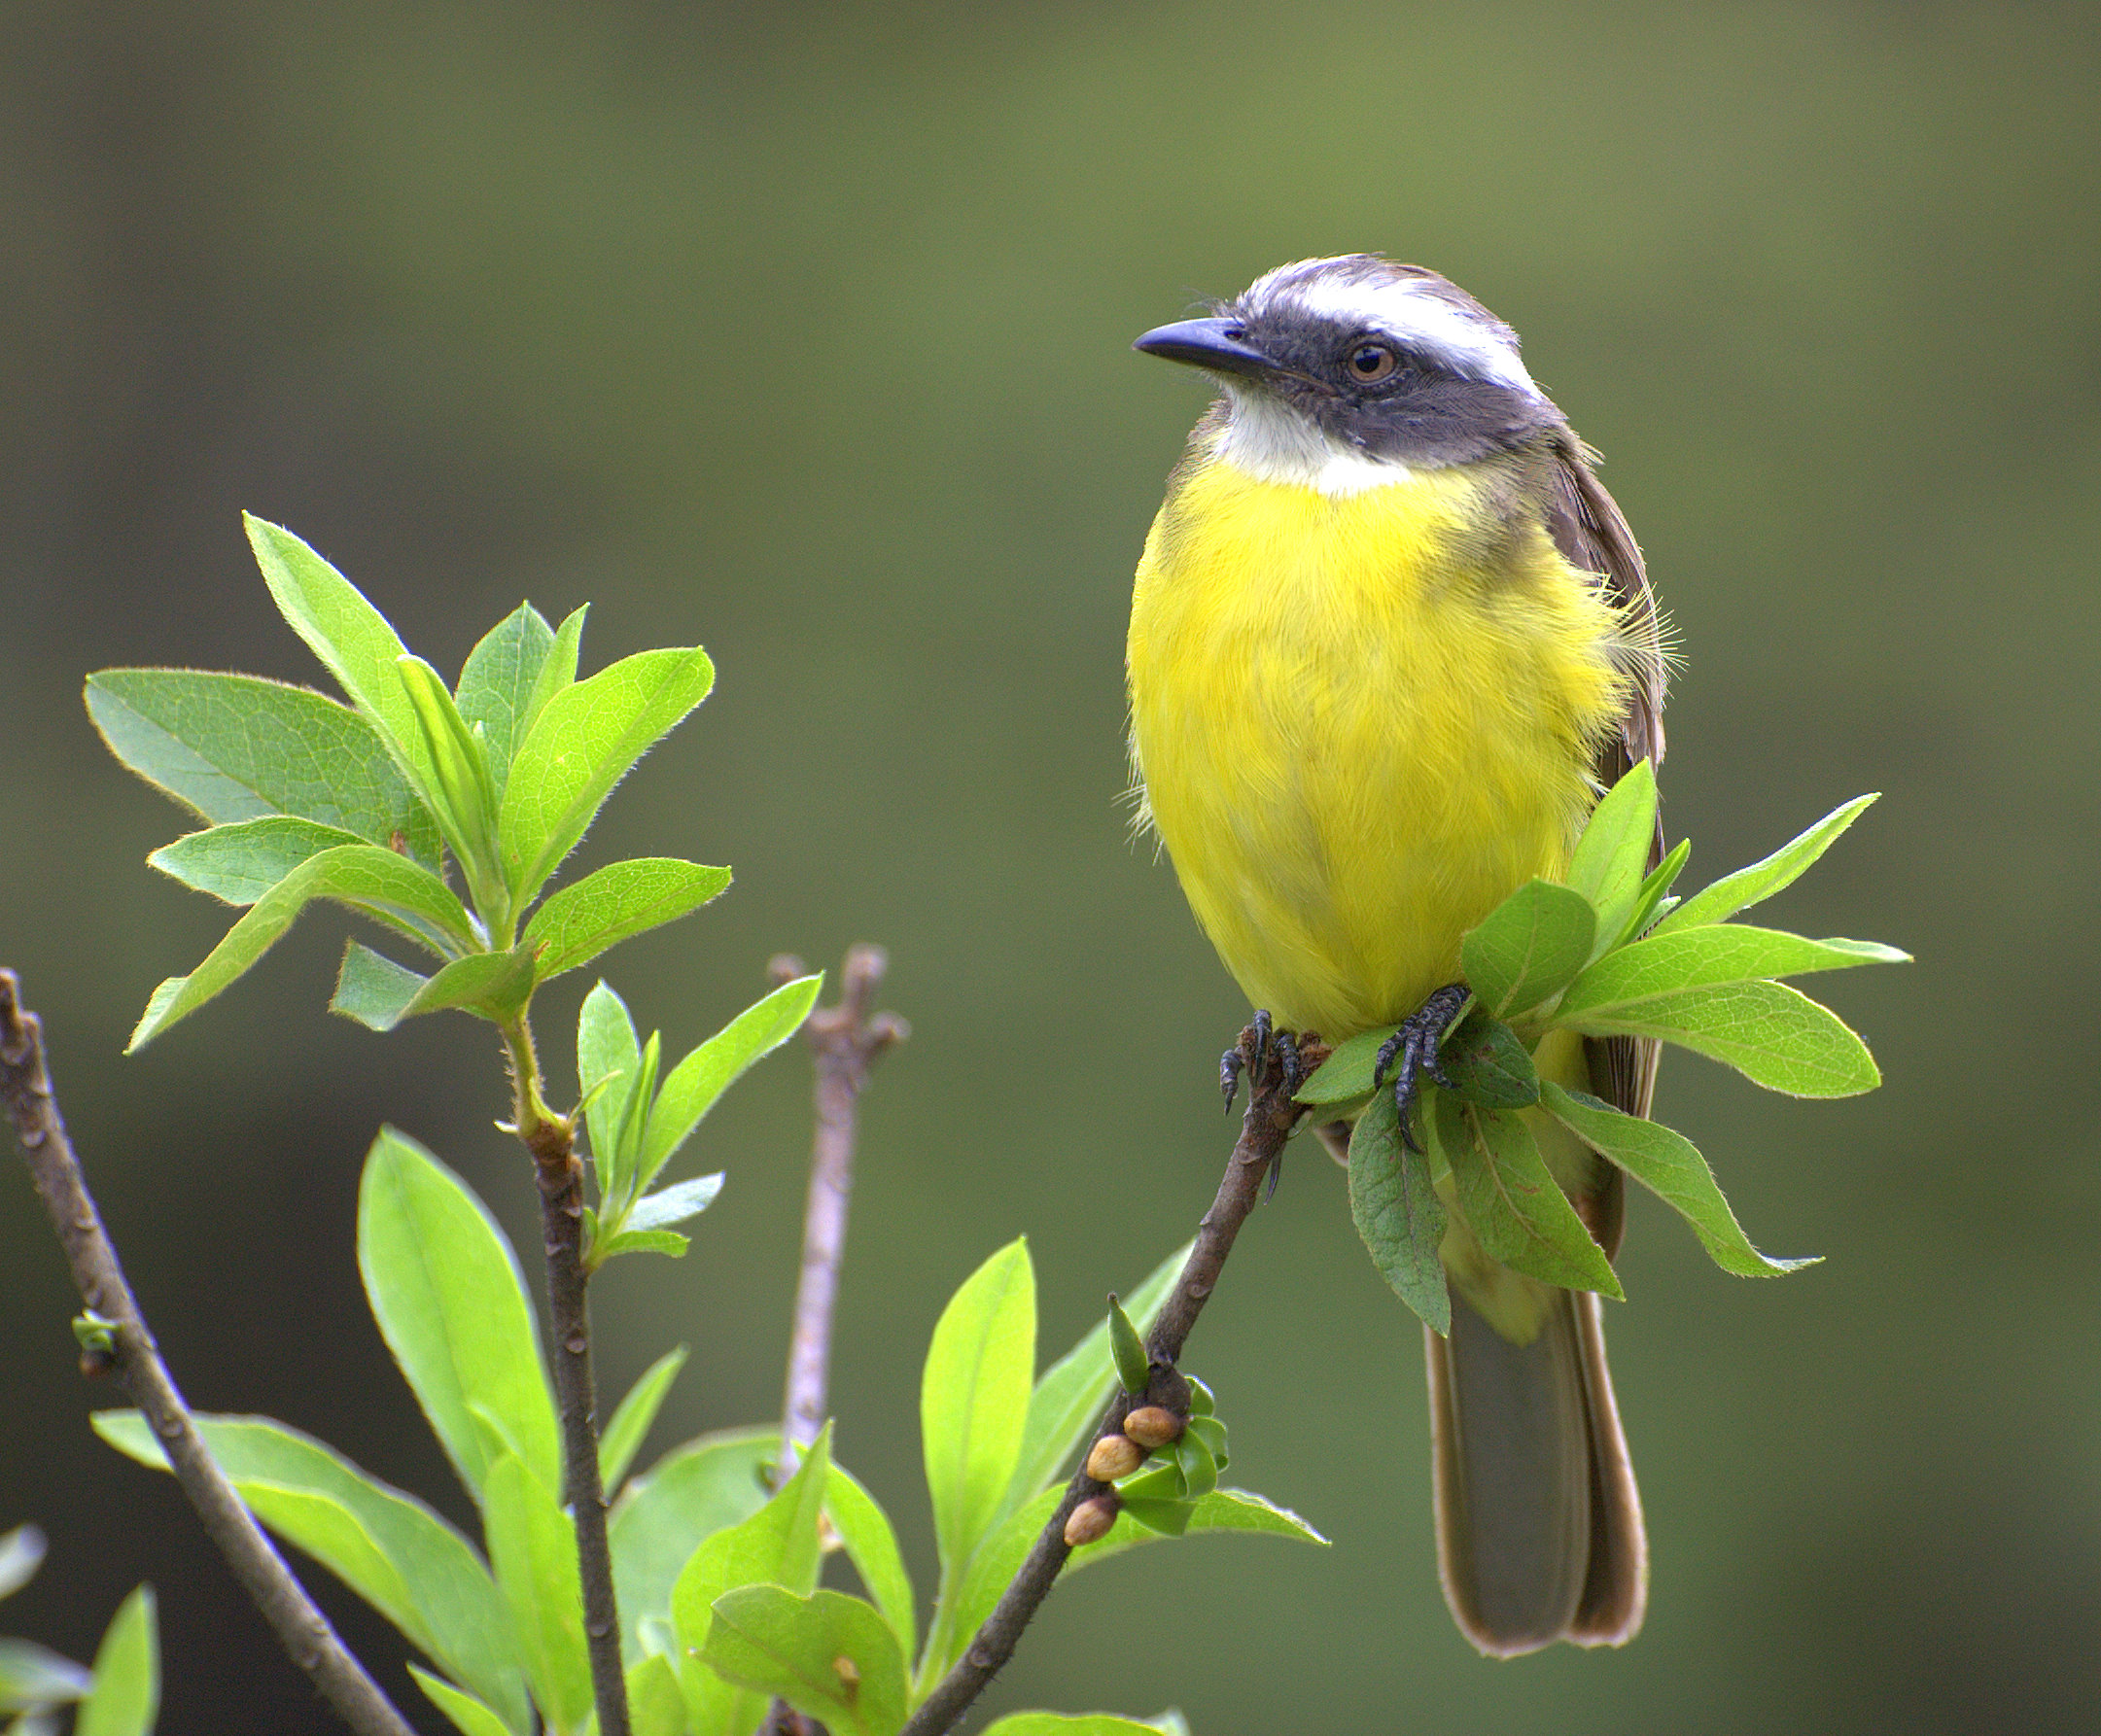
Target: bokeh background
801, 331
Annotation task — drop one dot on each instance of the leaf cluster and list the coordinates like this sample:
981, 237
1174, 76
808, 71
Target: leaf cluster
119, 1696
1607, 951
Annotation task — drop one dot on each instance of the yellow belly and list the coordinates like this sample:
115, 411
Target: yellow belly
1360, 722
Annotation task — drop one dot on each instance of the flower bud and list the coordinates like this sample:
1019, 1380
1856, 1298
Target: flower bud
1091, 1521
1151, 1426
1115, 1456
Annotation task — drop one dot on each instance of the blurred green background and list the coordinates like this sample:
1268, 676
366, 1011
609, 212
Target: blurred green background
802, 331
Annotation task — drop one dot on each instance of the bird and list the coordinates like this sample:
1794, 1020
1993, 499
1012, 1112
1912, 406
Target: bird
1390, 639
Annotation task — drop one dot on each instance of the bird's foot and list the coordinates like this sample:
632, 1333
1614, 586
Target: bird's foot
1264, 1054
1412, 1051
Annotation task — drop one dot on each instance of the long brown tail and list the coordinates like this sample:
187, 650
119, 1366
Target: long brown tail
1539, 1533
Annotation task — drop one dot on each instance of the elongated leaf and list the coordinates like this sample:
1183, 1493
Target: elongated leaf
451, 1609
1759, 881
1669, 1167
1512, 1203
1655, 898
556, 674
638, 1241
1071, 1397
374, 989
458, 781
533, 1551
655, 1706
582, 744
623, 1435
1398, 1214
125, 1698
1611, 858
830, 1656
615, 904
1699, 958
692, 1087
359, 875
493, 985
974, 1399
608, 1070
695, 1490
1530, 946
469, 1716
674, 1204
21, 1553
1767, 1031
498, 683
33, 1674
240, 862
237, 748
451, 1303
864, 1528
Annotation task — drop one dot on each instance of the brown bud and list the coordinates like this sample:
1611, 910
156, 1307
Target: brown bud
1115, 1456
1151, 1426
1091, 1521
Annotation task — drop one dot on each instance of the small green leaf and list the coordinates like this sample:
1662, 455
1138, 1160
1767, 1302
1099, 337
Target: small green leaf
374, 989
1133, 1368
580, 746
608, 1066
695, 1085
830, 1656
1198, 1464
1773, 1034
491, 984
616, 904
1654, 900
695, 1490
1397, 1212
237, 748
458, 780
21, 1553
33, 1676
1699, 957
974, 1399
1611, 858
239, 863
469, 1716
655, 1706
557, 674
872, 1545
1530, 946
452, 1305
533, 1551
1669, 1166
1346, 1076
623, 1435
498, 683
674, 1204
1512, 1203
1489, 1065
361, 876
126, 1697
639, 1241
1759, 881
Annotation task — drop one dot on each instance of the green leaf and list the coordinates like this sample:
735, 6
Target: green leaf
1054, 1723
374, 989
1346, 1076
237, 748
533, 1550
1759, 881
556, 676
692, 1087
498, 683
974, 1399
1530, 946
828, 1655
1512, 1203
582, 744
361, 876
623, 1435
1397, 1212
452, 1305
458, 780
493, 984
1489, 1065
1127, 1347
21, 1553
1699, 957
1669, 1166
1611, 858
615, 904
864, 1528
469, 1714
125, 1698
692, 1492
1773, 1034
1070, 1398
434, 1588
33, 1676
609, 1068
240, 863
1655, 899
639, 1241
674, 1204
655, 1706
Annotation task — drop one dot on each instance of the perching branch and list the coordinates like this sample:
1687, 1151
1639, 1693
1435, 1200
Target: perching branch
301, 1627
551, 1139
1265, 1126
845, 1040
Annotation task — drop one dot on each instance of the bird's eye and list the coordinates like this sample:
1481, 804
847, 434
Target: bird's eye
1371, 363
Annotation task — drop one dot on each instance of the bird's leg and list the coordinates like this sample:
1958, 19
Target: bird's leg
1411, 1050
1247, 1055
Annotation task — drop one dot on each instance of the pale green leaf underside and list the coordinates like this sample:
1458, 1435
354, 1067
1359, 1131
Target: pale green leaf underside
1397, 1212
126, 1697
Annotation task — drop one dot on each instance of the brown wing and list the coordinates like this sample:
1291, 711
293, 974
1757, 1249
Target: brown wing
1588, 529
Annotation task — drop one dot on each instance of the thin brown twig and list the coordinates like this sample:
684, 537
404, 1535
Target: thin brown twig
551, 1139
300, 1626
1264, 1127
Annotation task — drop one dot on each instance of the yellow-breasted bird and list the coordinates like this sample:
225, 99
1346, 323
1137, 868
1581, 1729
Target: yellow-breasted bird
1390, 639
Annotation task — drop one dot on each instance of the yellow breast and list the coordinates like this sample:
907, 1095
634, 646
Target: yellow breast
1360, 722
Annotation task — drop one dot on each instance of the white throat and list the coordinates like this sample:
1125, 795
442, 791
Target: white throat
1275, 443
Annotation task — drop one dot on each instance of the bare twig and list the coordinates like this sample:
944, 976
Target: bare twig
301, 1627
846, 1039
1264, 1129
551, 1139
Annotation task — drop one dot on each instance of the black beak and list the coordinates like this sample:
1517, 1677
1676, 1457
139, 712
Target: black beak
1217, 345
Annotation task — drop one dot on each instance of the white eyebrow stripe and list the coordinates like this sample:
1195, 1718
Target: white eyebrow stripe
1413, 315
